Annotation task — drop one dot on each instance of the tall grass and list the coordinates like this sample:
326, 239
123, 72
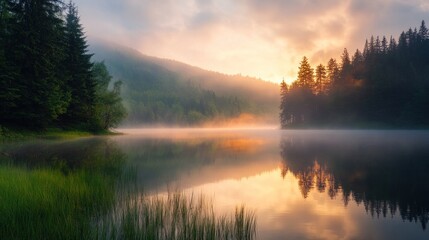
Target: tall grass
175, 217
48, 204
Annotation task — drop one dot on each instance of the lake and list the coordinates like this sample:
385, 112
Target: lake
301, 184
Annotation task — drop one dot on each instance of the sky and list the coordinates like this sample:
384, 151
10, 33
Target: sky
260, 38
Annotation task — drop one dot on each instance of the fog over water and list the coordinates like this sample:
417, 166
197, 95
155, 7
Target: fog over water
302, 184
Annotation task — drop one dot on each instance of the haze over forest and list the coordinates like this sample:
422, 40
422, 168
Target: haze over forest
104, 102
156, 54
263, 39
161, 91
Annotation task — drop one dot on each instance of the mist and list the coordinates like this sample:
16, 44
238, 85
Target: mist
161, 92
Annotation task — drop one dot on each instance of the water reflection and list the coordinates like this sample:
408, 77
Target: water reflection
302, 184
94, 154
387, 172
185, 161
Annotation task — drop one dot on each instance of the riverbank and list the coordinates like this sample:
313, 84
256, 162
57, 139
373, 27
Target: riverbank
7, 135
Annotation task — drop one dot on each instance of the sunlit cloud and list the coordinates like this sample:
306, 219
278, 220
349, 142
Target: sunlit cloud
265, 39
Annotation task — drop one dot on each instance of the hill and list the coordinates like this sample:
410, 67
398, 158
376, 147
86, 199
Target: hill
162, 91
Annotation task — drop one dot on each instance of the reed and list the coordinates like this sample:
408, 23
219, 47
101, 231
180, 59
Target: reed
48, 204
176, 216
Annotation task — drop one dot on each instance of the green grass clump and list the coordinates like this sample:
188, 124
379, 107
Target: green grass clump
175, 217
46, 204
9, 135
84, 204
64, 134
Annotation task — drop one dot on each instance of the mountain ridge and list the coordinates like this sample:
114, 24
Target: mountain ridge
217, 95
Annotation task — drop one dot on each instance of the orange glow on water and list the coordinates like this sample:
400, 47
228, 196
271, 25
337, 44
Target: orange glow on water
241, 144
290, 178
277, 201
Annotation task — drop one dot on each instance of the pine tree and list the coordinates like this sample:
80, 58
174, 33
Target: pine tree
37, 53
392, 44
377, 46
402, 43
366, 49
321, 81
305, 75
346, 70
372, 46
332, 71
345, 59
80, 81
357, 58
423, 31
384, 47
410, 36
284, 111
358, 65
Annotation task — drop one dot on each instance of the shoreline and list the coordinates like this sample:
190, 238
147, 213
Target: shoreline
10, 135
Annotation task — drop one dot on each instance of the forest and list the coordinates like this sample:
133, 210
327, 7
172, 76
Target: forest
162, 91
384, 86
47, 77
155, 95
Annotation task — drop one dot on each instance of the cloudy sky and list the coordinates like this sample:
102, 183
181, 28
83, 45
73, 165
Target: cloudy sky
260, 38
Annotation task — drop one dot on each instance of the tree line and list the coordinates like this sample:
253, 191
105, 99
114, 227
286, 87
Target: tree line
47, 78
385, 85
179, 103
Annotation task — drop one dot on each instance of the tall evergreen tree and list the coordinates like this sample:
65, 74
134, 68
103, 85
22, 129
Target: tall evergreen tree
423, 31
358, 65
305, 75
345, 59
80, 81
357, 58
37, 53
411, 36
284, 111
377, 46
402, 42
321, 81
392, 44
366, 49
372, 48
384, 46
332, 70
346, 70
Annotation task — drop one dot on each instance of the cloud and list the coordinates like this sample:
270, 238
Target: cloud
260, 38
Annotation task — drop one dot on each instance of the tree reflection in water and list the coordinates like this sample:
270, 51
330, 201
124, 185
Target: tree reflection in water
387, 172
94, 154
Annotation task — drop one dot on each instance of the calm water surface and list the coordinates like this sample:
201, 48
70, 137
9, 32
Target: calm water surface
302, 184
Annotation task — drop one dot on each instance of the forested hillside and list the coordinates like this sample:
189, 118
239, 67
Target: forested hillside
168, 92
385, 85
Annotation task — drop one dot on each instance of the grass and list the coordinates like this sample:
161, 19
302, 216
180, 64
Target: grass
7, 135
48, 204
175, 217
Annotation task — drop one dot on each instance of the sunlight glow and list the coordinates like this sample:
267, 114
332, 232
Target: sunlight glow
284, 201
263, 39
